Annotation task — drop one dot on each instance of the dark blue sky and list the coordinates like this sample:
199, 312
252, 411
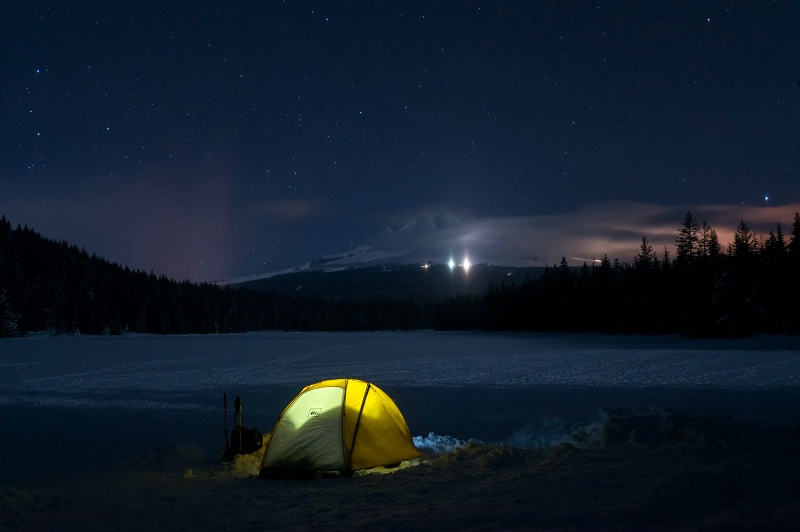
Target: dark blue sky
210, 140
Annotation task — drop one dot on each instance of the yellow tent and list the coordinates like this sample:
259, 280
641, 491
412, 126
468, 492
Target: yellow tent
338, 425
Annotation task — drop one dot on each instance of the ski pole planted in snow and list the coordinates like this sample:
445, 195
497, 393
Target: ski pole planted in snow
237, 421
225, 410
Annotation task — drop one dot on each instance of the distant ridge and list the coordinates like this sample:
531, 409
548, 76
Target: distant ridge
397, 269
421, 283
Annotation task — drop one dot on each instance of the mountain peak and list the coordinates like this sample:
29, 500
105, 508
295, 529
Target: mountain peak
427, 222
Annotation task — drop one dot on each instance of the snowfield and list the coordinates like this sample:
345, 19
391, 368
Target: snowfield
79, 412
150, 373
58, 370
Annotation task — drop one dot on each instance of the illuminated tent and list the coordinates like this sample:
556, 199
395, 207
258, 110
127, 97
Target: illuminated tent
338, 425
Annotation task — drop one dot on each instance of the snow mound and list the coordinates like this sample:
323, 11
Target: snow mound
440, 444
653, 426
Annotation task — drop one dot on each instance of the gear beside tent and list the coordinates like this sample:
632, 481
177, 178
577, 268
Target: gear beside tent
336, 427
244, 440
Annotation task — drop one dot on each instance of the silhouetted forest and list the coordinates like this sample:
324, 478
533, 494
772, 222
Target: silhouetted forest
53, 286
750, 286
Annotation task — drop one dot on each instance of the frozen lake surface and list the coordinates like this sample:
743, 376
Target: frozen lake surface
471, 385
81, 370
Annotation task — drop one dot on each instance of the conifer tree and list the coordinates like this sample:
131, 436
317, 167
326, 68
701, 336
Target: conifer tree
709, 242
688, 240
775, 245
646, 258
735, 296
745, 242
794, 243
791, 311
666, 263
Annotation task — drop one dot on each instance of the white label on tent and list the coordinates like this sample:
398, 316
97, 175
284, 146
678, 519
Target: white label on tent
314, 412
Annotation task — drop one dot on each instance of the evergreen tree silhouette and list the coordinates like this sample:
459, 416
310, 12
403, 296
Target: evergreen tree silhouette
688, 240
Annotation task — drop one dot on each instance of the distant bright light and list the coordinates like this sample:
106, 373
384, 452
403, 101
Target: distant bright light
766, 198
466, 264
451, 264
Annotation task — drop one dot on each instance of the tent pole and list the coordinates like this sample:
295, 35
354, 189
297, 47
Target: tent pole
358, 423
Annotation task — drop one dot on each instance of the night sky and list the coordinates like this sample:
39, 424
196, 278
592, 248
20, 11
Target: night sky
210, 140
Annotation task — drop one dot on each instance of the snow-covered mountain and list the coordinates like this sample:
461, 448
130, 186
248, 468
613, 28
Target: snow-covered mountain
612, 229
407, 243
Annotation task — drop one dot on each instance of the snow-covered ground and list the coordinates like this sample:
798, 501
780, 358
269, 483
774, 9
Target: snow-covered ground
436, 378
71, 370
81, 412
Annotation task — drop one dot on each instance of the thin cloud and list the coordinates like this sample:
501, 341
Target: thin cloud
159, 224
614, 229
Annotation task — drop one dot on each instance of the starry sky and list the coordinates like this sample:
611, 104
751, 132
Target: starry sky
210, 140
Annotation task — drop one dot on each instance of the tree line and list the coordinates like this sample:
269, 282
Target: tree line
54, 286
750, 286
